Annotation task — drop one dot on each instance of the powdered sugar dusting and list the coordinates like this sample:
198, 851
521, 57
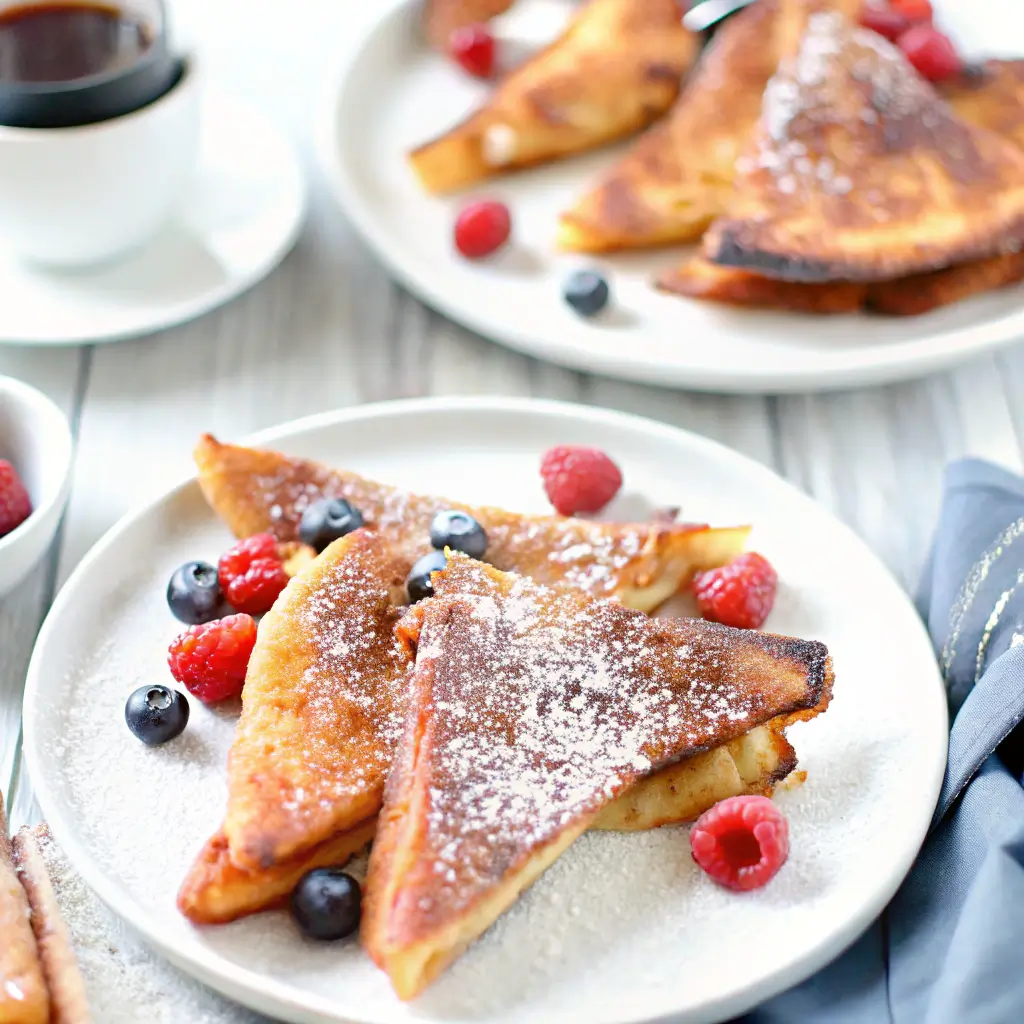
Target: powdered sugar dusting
545, 705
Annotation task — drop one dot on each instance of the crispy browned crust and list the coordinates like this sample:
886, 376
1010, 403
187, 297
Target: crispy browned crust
418, 920
68, 1003
616, 69
677, 177
990, 95
442, 17
24, 998
860, 172
216, 891
643, 564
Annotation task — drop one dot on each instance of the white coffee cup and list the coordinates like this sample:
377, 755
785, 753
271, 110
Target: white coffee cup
71, 197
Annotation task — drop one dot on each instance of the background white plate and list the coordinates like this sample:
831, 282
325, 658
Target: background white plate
390, 93
239, 218
624, 927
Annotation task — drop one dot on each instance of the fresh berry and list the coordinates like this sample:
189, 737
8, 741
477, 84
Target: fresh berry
156, 714
739, 594
931, 52
326, 904
587, 292
458, 531
482, 228
885, 21
194, 595
211, 659
914, 11
252, 574
472, 47
741, 842
579, 479
327, 520
15, 504
418, 583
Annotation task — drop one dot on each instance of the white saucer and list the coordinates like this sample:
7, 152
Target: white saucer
624, 928
239, 220
389, 94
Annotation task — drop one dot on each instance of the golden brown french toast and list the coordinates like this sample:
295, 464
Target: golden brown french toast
990, 95
642, 564
677, 177
616, 68
531, 709
216, 890
858, 171
442, 17
24, 998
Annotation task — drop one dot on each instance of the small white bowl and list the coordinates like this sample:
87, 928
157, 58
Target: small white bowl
35, 437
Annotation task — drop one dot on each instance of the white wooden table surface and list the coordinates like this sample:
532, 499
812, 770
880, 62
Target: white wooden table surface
330, 329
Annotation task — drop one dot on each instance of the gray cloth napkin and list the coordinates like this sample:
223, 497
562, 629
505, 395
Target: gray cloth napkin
949, 948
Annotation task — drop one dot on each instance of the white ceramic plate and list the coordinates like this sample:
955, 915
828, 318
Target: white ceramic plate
624, 927
391, 93
238, 220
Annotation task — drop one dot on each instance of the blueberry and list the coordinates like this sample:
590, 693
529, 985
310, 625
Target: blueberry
458, 531
326, 903
418, 581
325, 521
156, 714
587, 292
194, 595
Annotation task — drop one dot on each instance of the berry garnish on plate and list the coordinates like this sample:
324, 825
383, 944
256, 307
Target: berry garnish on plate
914, 10
194, 594
328, 520
458, 531
587, 292
741, 842
210, 660
579, 479
252, 574
327, 904
884, 20
418, 583
156, 714
482, 228
739, 594
931, 52
15, 504
473, 48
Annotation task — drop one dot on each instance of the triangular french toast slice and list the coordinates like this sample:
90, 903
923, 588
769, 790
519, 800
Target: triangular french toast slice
858, 171
991, 95
677, 178
216, 890
641, 564
531, 709
442, 17
616, 68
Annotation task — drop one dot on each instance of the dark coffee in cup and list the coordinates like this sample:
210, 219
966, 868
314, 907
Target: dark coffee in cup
64, 64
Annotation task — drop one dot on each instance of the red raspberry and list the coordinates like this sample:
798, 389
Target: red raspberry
482, 228
472, 46
914, 11
931, 52
885, 21
211, 659
739, 594
741, 842
15, 504
579, 479
251, 574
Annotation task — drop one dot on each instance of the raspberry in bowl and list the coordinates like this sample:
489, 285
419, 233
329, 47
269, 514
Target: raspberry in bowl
35, 477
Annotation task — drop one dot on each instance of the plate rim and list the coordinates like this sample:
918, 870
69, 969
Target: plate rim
892, 363
199, 304
263, 994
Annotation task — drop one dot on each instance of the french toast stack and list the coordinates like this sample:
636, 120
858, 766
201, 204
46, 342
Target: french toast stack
816, 168
472, 737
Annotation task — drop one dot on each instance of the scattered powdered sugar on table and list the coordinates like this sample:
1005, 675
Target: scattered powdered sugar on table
622, 925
